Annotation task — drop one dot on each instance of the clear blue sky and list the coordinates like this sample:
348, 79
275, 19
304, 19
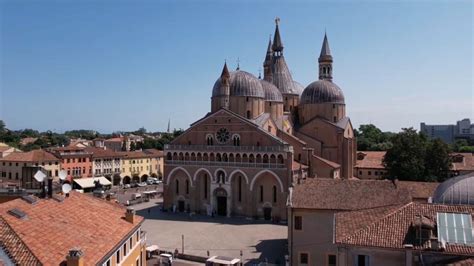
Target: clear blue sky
119, 65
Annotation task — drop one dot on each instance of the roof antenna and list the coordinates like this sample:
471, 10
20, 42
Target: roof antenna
259, 73
238, 63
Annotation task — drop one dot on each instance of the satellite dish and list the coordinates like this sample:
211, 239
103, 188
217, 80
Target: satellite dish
62, 174
66, 188
39, 176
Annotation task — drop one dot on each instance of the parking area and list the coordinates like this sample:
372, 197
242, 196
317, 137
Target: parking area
259, 241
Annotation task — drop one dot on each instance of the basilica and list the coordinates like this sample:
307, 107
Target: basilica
260, 138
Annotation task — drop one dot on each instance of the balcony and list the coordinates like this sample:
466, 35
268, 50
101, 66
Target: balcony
229, 148
227, 164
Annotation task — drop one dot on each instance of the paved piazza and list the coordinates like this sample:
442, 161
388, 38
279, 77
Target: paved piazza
221, 236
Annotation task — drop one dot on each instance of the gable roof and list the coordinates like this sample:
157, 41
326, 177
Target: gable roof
102, 153
53, 228
393, 228
241, 118
342, 194
31, 156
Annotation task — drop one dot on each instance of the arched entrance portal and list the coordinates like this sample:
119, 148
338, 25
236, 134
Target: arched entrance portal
221, 201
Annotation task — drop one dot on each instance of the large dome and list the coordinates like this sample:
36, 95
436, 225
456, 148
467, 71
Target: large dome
241, 84
272, 94
456, 190
322, 91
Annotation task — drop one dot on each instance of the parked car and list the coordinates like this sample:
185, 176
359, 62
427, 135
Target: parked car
127, 186
134, 184
150, 181
158, 182
142, 184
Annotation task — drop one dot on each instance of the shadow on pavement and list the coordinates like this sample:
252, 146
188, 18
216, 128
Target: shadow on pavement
155, 213
271, 251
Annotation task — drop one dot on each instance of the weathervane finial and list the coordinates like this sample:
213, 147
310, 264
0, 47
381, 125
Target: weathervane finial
238, 63
277, 20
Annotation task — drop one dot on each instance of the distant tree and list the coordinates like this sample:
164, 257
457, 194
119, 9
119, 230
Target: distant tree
371, 138
437, 160
141, 131
2, 126
29, 133
82, 133
405, 160
133, 146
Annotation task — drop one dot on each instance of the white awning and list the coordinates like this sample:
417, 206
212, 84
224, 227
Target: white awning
89, 181
152, 248
223, 260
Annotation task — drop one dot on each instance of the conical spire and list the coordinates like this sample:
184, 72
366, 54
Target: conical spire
325, 51
268, 56
225, 71
277, 44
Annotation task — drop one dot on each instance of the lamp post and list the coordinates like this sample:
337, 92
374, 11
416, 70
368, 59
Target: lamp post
241, 258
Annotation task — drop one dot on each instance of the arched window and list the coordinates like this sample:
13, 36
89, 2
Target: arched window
209, 140
177, 187
236, 140
261, 193
274, 194
187, 186
168, 156
240, 188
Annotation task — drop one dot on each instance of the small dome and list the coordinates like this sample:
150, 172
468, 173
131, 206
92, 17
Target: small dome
456, 190
322, 91
299, 88
272, 94
241, 84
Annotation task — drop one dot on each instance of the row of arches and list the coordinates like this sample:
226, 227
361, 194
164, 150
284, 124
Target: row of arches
220, 174
226, 157
226, 192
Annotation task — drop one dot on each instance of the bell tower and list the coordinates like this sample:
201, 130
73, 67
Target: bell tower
325, 61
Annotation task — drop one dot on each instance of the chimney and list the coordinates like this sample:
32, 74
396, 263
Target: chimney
75, 257
130, 215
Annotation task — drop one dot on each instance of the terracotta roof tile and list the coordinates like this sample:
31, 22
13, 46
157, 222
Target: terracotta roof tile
16, 250
341, 194
31, 156
419, 190
53, 228
328, 162
393, 228
370, 159
102, 153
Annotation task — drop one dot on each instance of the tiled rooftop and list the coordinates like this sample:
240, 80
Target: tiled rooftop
371, 159
341, 194
31, 156
52, 228
393, 227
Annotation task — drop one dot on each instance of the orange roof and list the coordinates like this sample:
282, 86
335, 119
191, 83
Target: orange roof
4, 148
370, 159
393, 228
53, 228
103, 153
341, 194
118, 139
31, 156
